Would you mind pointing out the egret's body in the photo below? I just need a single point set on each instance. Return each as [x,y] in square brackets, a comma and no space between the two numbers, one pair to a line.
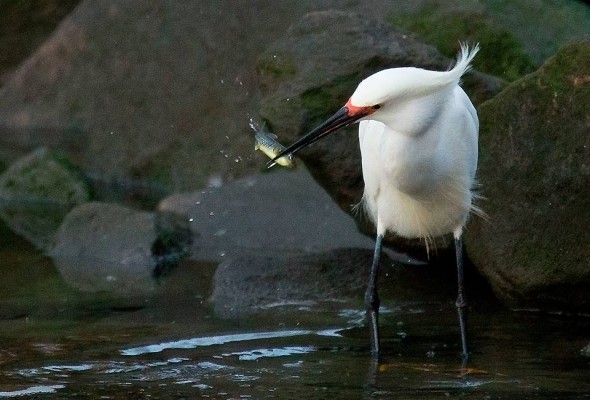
[418,184]
[418,139]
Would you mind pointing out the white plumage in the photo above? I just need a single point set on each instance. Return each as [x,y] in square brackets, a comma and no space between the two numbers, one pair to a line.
[419,150]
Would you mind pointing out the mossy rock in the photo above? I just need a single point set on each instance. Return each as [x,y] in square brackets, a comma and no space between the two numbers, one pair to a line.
[37,191]
[535,174]
[501,54]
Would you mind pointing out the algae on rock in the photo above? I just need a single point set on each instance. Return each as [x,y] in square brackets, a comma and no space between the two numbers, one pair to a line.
[37,191]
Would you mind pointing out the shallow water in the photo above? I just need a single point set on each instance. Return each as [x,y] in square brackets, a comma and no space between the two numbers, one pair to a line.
[59,343]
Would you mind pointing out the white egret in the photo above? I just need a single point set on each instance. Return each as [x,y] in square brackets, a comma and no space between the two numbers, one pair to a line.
[418,138]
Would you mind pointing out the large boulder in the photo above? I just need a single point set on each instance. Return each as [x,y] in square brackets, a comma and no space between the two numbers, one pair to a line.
[148,98]
[103,247]
[153,98]
[535,174]
[36,193]
[282,211]
[310,72]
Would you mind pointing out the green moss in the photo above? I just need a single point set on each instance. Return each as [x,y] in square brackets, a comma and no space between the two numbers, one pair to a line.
[534,149]
[501,54]
[48,176]
[276,67]
[321,102]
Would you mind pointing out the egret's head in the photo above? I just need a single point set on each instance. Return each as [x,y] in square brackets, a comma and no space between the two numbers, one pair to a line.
[407,100]
[371,100]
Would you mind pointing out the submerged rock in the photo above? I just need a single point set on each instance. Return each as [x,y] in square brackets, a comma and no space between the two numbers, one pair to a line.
[253,283]
[107,247]
[36,192]
[249,284]
[535,173]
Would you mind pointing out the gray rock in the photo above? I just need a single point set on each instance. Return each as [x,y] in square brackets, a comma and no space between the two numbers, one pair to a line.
[310,73]
[36,193]
[264,214]
[253,283]
[535,174]
[249,284]
[107,247]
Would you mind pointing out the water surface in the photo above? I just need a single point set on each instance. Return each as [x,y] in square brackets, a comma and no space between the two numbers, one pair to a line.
[57,343]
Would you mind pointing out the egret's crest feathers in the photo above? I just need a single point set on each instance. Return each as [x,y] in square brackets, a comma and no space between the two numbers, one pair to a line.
[410,82]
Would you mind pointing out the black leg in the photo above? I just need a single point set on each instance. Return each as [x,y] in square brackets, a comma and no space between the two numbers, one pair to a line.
[372,299]
[461,304]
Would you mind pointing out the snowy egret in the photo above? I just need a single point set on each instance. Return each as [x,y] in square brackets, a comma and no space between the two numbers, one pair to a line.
[418,137]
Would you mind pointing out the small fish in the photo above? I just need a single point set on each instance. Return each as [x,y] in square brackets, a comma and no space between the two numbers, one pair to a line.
[268,144]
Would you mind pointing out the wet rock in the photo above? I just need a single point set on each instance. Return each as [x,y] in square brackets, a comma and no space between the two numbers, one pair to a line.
[535,173]
[586,351]
[310,73]
[173,242]
[107,247]
[264,214]
[36,193]
[245,285]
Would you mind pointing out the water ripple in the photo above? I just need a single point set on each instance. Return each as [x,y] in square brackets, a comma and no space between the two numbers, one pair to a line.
[251,355]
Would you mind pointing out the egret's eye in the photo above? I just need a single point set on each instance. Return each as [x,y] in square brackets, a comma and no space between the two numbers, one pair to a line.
[376,106]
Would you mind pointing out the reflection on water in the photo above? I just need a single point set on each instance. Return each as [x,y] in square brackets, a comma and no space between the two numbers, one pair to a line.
[222,339]
[32,391]
[210,341]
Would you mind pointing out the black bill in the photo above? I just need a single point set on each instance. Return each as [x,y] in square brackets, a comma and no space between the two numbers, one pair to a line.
[339,120]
